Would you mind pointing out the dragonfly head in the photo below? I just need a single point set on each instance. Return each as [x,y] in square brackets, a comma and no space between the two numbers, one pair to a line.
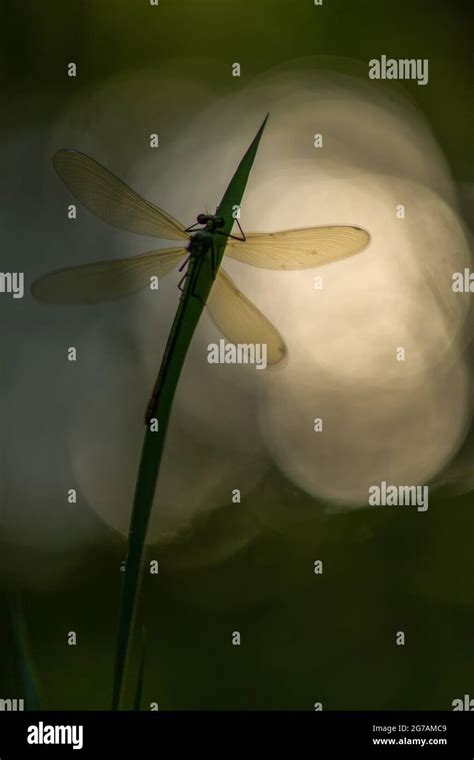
[212,221]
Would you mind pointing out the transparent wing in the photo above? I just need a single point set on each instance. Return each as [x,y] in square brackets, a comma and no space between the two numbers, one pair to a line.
[298,249]
[240,320]
[105,280]
[106,196]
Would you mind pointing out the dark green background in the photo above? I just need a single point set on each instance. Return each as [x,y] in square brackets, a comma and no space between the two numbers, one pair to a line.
[305,638]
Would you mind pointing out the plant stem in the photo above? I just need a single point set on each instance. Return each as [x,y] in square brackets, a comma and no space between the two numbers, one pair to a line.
[198,282]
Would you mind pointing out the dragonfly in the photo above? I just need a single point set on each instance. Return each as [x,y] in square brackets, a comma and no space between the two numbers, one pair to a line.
[238,319]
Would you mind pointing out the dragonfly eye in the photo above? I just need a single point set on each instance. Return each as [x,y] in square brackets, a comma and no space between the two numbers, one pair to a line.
[201,218]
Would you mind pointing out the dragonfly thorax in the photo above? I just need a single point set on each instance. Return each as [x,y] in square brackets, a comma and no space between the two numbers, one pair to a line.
[200,242]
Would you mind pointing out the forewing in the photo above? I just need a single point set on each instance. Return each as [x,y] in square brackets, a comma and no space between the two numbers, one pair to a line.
[106,196]
[305,248]
[239,319]
[105,280]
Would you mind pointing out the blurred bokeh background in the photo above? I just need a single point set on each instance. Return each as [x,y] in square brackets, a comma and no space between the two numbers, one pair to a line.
[244,567]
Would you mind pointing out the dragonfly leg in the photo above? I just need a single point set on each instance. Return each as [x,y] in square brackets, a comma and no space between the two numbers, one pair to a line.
[195,295]
[180,283]
[192,227]
[193,286]
[234,237]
